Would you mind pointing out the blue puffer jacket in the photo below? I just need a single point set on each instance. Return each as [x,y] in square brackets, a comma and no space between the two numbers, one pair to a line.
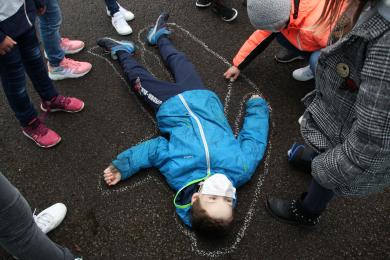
[17,16]
[201,143]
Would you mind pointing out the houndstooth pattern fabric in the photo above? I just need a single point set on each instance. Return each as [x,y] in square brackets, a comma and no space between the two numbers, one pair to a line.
[350,128]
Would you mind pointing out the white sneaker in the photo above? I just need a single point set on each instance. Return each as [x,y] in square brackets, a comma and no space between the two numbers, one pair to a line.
[120,24]
[50,218]
[303,74]
[126,13]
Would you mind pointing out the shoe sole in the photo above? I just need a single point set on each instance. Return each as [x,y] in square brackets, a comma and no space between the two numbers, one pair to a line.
[62,110]
[233,18]
[202,6]
[282,220]
[73,76]
[42,146]
[290,60]
[68,52]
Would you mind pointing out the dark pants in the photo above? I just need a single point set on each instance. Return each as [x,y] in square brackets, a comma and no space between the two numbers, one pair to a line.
[317,198]
[312,57]
[19,234]
[155,91]
[112,6]
[25,57]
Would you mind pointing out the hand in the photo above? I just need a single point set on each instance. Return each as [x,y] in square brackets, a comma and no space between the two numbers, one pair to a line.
[7,44]
[111,175]
[41,10]
[232,73]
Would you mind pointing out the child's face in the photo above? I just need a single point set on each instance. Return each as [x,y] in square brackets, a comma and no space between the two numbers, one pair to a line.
[218,207]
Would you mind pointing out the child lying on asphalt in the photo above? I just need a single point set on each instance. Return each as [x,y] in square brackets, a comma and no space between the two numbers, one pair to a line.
[201,158]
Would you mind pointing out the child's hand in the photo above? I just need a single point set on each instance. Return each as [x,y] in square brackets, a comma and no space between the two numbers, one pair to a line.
[6,45]
[232,73]
[111,175]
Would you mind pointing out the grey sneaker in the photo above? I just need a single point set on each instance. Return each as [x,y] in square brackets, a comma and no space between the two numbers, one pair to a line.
[286,56]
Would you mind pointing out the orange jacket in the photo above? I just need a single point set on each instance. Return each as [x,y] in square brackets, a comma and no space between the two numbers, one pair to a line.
[298,33]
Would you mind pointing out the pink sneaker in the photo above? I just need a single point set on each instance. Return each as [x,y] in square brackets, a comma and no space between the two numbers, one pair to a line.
[71,46]
[69,69]
[40,134]
[62,103]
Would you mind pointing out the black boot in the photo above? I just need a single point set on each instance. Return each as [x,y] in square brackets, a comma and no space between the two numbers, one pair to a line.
[291,212]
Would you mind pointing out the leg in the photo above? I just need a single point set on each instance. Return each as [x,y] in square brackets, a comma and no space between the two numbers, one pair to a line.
[19,234]
[34,65]
[313,60]
[317,198]
[290,52]
[14,84]
[154,91]
[112,6]
[179,65]
[50,24]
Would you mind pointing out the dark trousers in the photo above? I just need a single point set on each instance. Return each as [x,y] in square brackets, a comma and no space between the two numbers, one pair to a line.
[19,234]
[317,198]
[112,6]
[25,57]
[155,91]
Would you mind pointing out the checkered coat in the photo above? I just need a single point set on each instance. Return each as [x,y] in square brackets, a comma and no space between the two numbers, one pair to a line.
[347,116]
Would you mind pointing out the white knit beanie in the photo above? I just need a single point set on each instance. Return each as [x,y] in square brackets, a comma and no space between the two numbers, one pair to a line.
[269,15]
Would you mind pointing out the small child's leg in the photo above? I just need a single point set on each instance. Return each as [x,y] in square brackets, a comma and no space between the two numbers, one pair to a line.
[14,84]
[180,66]
[112,6]
[154,91]
[34,65]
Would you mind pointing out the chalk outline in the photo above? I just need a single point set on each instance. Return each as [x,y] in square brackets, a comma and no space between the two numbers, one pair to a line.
[251,209]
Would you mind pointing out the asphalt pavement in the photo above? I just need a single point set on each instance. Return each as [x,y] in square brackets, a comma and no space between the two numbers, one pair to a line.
[137,218]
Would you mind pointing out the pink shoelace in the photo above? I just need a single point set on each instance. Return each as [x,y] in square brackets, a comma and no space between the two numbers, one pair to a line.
[70,63]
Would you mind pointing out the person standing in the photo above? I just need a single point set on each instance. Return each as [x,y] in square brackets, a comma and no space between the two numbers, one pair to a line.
[347,118]
[20,53]
[119,17]
[59,66]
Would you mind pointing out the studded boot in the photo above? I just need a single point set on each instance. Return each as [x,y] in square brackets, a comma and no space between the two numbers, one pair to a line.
[292,212]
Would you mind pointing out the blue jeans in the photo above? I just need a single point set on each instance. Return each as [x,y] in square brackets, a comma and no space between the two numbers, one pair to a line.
[313,61]
[155,91]
[112,6]
[49,26]
[19,235]
[25,57]
[311,56]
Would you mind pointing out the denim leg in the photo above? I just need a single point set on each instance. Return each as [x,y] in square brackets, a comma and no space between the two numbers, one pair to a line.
[35,67]
[313,61]
[112,6]
[180,66]
[154,91]
[13,80]
[317,198]
[49,26]
[19,235]
[286,44]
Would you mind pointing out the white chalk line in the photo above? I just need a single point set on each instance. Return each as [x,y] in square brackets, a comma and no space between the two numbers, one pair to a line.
[251,210]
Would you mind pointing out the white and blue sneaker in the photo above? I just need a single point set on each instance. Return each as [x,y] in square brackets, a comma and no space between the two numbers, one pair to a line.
[113,46]
[159,29]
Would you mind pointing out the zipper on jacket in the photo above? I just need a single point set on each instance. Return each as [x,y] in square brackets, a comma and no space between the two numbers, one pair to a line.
[206,148]
[25,12]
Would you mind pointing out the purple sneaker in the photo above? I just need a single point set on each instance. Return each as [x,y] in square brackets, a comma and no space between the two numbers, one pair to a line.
[41,134]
